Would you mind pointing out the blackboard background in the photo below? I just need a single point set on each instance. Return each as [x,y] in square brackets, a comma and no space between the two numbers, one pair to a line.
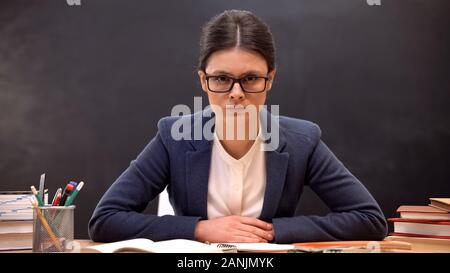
[82,88]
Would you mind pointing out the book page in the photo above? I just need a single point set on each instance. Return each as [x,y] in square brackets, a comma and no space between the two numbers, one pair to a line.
[146,245]
[139,245]
[260,247]
[184,246]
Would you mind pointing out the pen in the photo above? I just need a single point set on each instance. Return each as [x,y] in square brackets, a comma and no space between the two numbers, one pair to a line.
[39,200]
[74,194]
[58,192]
[56,199]
[69,188]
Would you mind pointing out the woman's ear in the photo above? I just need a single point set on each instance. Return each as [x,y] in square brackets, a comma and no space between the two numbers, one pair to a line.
[202,78]
[271,77]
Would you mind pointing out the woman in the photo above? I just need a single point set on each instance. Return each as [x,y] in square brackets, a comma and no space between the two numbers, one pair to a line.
[234,189]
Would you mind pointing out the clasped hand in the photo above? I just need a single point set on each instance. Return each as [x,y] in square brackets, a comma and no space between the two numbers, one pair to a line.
[234,229]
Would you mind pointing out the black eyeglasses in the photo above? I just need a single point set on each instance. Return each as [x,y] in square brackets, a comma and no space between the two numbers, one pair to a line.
[249,83]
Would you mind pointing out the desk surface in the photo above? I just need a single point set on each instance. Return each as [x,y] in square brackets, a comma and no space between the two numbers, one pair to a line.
[418,245]
[83,244]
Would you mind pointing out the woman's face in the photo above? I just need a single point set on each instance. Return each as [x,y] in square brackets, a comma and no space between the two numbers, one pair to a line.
[236,63]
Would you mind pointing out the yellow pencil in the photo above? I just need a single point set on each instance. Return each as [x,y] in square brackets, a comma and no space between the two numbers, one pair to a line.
[44,222]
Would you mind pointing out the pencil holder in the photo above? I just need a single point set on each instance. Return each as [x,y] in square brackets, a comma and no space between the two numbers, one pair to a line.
[53,229]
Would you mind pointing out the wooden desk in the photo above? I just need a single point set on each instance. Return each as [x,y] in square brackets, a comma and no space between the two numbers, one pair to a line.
[83,243]
[419,245]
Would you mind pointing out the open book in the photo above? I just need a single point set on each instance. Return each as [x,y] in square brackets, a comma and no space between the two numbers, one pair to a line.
[183,246]
[146,245]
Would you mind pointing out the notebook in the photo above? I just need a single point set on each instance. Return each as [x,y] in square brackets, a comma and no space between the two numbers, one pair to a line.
[259,247]
[15,205]
[146,245]
[382,245]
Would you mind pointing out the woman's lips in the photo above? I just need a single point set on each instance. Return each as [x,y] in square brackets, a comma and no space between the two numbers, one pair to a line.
[232,109]
[234,106]
[237,107]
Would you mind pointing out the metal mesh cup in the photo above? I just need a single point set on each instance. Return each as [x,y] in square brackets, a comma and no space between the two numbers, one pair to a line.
[53,229]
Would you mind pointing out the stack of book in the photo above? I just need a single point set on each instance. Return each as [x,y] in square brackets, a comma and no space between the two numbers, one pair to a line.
[427,226]
[16,220]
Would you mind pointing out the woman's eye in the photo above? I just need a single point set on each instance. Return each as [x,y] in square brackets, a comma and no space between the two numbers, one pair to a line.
[221,79]
[250,78]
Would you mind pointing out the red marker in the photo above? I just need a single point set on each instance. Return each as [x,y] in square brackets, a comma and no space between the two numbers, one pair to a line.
[67,191]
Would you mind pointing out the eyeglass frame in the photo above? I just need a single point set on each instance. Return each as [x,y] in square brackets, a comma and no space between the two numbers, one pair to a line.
[236,80]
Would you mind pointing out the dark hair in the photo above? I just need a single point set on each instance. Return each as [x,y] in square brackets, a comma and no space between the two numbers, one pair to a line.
[236,28]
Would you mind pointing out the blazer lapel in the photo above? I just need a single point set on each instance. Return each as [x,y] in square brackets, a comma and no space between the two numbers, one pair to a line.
[198,162]
[276,167]
[197,175]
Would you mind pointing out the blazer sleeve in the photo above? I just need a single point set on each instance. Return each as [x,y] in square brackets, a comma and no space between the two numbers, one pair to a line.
[355,215]
[118,215]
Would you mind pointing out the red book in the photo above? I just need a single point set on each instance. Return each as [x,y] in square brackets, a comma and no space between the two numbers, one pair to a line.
[421,227]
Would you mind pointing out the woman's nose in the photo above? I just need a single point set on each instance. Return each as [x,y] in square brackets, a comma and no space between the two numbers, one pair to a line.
[236,92]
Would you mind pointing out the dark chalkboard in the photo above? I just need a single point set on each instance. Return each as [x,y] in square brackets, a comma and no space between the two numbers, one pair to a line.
[82,88]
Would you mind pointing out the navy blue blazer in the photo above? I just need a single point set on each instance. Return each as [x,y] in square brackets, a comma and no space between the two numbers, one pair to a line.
[301,159]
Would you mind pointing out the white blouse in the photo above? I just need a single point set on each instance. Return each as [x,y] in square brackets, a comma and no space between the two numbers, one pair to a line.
[236,186]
